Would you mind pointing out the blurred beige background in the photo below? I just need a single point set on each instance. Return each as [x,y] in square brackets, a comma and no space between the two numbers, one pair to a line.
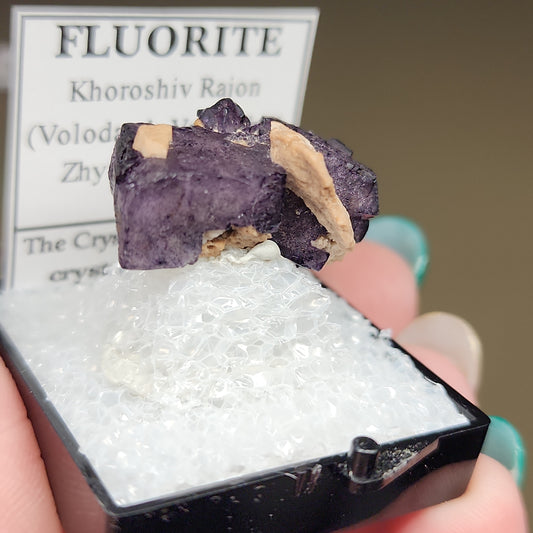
[437,98]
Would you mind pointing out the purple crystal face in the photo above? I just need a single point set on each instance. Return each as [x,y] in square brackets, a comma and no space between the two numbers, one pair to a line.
[225,117]
[295,244]
[355,184]
[164,206]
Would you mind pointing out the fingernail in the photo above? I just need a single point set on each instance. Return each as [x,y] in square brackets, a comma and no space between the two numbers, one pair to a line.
[405,238]
[451,336]
[504,443]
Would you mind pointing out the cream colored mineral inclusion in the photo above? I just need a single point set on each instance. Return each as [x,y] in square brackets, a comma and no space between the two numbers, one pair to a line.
[308,178]
[236,237]
[153,140]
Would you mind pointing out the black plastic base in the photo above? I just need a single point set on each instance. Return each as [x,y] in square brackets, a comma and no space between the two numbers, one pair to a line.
[367,482]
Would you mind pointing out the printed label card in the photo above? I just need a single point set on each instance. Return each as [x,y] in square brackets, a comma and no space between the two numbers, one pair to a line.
[79,73]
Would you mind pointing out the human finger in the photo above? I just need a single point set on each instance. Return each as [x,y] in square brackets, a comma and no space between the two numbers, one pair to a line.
[25,497]
[491,504]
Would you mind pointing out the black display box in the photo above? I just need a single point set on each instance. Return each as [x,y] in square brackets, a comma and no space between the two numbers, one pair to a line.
[367,482]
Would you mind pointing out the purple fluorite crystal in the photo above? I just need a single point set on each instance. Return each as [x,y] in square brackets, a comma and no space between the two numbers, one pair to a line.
[164,206]
[225,117]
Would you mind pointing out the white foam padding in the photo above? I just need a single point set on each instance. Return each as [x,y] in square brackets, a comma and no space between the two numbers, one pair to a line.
[172,379]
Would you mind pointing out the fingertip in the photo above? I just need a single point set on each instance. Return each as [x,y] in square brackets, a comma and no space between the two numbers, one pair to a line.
[405,237]
[505,444]
[377,282]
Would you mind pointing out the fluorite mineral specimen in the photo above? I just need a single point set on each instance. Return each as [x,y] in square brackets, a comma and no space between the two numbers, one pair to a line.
[164,207]
[184,192]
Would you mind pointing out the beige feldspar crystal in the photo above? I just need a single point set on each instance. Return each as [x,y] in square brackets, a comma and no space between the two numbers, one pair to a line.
[237,237]
[153,140]
[308,178]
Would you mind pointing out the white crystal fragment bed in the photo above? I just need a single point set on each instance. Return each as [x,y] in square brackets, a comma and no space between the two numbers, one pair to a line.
[175,379]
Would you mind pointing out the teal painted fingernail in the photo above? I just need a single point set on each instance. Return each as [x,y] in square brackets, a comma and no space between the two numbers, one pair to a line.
[504,443]
[405,238]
